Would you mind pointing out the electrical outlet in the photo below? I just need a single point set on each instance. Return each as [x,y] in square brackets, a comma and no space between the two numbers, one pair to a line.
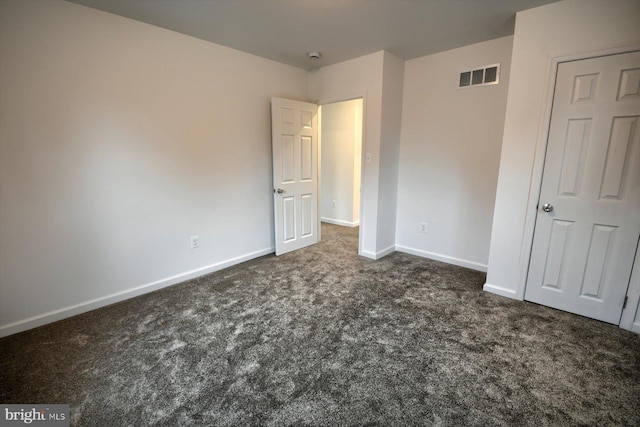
[195,242]
[424,227]
[333,203]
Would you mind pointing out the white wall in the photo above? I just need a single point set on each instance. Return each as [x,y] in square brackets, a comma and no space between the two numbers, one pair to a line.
[450,154]
[569,27]
[358,78]
[377,78]
[341,150]
[390,124]
[118,141]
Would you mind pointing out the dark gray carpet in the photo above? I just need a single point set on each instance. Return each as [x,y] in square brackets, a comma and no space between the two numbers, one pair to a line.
[324,337]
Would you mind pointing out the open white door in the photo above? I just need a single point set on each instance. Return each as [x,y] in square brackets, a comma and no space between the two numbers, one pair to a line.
[294,140]
[589,214]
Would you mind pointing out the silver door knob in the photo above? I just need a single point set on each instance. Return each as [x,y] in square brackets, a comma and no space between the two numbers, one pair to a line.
[547,207]
[278,190]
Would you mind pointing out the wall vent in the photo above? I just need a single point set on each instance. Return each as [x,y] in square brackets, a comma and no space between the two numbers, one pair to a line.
[481,76]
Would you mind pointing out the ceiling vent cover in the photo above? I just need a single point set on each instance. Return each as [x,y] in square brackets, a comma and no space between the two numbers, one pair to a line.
[481,76]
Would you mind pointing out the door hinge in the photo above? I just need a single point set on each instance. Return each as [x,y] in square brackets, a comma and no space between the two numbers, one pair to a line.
[624,304]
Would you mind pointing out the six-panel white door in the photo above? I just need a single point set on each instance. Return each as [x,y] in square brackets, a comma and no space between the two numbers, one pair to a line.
[294,140]
[585,242]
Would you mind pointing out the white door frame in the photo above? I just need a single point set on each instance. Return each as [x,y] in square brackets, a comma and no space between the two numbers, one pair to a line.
[629,314]
[324,101]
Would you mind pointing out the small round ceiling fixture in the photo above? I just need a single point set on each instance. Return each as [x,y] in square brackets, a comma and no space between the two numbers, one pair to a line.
[313,55]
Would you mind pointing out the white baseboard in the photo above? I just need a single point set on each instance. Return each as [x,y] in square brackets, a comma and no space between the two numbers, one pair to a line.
[386,251]
[340,222]
[368,254]
[377,255]
[499,290]
[444,258]
[63,313]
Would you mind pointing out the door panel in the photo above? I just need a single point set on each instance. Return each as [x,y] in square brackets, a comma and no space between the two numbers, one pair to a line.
[295,173]
[584,247]
[560,238]
[620,148]
[602,239]
[575,154]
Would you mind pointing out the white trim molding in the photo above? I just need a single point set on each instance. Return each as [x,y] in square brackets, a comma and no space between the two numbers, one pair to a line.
[379,254]
[498,290]
[443,258]
[630,319]
[386,251]
[63,313]
[340,222]
[367,254]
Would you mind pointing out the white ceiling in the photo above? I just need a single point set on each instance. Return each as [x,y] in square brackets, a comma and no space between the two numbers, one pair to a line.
[285,30]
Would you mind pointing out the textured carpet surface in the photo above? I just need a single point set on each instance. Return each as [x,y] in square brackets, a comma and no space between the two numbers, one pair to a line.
[324,337]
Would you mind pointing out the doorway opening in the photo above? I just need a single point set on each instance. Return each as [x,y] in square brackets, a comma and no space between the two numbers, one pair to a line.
[341,125]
